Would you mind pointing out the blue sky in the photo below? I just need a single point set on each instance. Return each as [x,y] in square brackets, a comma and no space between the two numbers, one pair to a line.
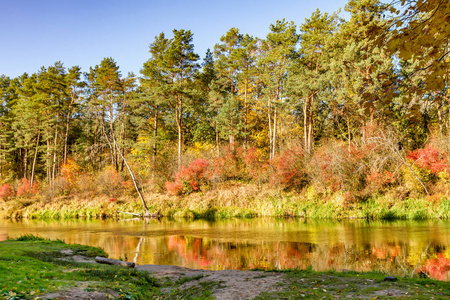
[37,33]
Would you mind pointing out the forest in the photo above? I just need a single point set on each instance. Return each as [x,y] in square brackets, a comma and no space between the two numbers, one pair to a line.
[358,107]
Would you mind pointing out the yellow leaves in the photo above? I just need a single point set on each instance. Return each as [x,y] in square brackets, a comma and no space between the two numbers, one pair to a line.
[199,147]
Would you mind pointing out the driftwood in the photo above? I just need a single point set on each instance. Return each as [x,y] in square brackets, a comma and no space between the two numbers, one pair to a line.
[129,213]
[148,215]
[108,261]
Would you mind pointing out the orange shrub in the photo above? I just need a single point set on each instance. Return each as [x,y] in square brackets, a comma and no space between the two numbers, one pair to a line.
[69,171]
[5,191]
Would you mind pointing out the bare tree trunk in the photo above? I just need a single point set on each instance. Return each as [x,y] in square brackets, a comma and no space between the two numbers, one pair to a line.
[47,159]
[25,163]
[310,125]
[132,175]
[55,144]
[180,130]
[35,158]
[66,137]
[439,113]
[274,139]
[155,142]
[305,124]
[245,114]
[269,113]
[217,135]
[349,132]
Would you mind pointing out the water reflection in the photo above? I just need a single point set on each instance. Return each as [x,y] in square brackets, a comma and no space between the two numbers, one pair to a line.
[395,247]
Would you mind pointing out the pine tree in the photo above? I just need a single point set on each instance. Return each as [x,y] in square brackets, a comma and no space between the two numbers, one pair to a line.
[308,74]
[277,53]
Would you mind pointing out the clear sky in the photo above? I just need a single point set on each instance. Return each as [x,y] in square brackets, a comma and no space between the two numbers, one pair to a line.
[37,33]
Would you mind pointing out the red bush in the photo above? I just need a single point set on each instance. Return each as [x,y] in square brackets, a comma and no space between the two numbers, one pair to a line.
[255,164]
[230,165]
[429,158]
[289,169]
[5,191]
[378,180]
[26,189]
[189,179]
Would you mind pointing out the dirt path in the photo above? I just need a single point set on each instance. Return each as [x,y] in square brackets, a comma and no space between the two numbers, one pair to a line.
[233,284]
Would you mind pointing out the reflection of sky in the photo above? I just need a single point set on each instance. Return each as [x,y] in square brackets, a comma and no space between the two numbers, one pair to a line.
[258,243]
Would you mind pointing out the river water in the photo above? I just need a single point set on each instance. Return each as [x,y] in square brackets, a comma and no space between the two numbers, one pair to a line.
[397,248]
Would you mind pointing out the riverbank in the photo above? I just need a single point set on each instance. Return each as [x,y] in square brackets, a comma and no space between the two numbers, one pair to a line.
[235,200]
[35,268]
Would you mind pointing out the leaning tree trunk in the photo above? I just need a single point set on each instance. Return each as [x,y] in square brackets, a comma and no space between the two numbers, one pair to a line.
[131,174]
[35,158]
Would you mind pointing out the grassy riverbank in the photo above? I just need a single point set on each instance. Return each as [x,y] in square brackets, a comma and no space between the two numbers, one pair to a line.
[35,268]
[236,200]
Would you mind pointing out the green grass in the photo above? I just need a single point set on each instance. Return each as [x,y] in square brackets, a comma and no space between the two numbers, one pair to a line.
[32,266]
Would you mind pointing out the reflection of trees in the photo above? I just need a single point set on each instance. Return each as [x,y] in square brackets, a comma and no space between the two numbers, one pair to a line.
[258,243]
[203,253]
[437,268]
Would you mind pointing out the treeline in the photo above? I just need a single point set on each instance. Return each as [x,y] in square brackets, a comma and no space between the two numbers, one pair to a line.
[338,103]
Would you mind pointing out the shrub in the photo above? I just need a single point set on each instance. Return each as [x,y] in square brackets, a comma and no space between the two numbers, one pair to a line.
[108,183]
[5,191]
[336,167]
[379,181]
[189,179]
[230,165]
[429,158]
[70,171]
[430,166]
[288,169]
[26,189]
[256,165]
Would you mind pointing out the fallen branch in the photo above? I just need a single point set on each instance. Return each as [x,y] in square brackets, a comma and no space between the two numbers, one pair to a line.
[129,213]
[108,261]
[149,215]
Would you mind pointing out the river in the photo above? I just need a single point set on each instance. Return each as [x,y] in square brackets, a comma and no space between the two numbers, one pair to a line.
[397,248]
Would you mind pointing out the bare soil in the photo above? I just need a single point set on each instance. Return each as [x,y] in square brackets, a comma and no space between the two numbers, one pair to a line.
[234,284]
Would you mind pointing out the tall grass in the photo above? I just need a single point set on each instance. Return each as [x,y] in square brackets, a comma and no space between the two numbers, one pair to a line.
[233,201]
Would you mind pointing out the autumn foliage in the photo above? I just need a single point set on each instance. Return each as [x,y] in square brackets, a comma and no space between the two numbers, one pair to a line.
[189,179]
[26,189]
[229,165]
[288,169]
[430,158]
[69,171]
[437,268]
[5,191]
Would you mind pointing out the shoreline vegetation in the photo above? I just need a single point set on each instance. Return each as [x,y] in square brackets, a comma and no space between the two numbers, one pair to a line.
[36,268]
[235,200]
